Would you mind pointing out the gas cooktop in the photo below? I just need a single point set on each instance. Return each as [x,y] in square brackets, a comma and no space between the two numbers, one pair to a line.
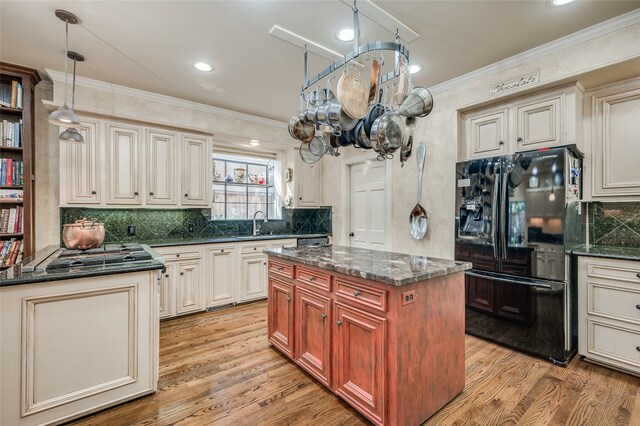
[109,254]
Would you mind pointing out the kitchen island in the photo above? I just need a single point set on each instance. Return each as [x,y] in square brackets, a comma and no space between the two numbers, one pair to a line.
[384,331]
[78,339]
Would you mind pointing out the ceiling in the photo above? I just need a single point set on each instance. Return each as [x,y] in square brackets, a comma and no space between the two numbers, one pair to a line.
[151,45]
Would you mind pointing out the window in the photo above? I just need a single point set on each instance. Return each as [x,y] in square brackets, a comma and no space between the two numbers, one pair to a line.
[243,186]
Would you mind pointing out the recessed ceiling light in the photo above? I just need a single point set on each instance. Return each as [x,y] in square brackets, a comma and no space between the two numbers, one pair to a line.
[345,34]
[415,68]
[560,2]
[254,142]
[202,66]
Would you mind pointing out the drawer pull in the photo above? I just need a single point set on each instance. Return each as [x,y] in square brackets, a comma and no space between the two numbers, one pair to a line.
[339,323]
[312,278]
[324,316]
[356,293]
[279,268]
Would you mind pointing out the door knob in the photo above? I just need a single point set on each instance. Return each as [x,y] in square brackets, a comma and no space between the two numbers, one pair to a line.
[351,234]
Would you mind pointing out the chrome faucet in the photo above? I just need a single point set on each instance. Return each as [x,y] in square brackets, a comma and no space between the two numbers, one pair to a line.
[256,229]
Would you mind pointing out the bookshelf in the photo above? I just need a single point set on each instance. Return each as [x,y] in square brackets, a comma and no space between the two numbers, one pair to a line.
[17,85]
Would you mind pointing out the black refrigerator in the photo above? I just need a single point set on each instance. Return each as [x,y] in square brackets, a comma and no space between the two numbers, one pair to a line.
[517,217]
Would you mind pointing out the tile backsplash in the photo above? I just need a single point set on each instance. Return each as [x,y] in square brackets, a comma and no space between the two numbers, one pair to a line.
[159,224]
[615,224]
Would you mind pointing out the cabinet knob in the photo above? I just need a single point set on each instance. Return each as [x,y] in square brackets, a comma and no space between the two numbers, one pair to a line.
[255,248]
[265,263]
[186,195]
[638,348]
[312,278]
[638,275]
[93,192]
[339,323]
[166,275]
[351,234]
[637,306]
[178,255]
[324,316]
[356,293]
[151,193]
[135,193]
[181,273]
[300,198]
[288,298]
[221,250]
[501,143]
[519,139]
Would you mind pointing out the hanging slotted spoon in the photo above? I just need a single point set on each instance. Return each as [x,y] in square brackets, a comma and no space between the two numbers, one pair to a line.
[418,218]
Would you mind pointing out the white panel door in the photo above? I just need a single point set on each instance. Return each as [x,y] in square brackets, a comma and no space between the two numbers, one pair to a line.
[486,132]
[253,284]
[196,170]
[123,164]
[221,275]
[167,292]
[188,287]
[80,167]
[540,124]
[162,162]
[307,184]
[367,205]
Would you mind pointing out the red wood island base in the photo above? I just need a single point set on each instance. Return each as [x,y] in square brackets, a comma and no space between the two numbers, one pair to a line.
[393,352]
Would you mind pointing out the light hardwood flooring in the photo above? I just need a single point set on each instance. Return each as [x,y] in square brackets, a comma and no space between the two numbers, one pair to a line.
[217,368]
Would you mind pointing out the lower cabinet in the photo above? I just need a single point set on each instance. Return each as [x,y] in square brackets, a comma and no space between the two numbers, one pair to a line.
[189,287]
[356,337]
[221,265]
[253,284]
[167,292]
[609,312]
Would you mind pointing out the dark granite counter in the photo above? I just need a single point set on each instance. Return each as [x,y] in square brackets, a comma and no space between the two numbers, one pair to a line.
[234,239]
[385,267]
[15,275]
[623,253]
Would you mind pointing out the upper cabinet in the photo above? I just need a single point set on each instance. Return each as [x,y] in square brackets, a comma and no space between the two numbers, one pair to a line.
[546,119]
[612,141]
[125,165]
[302,181]
[196,164]
[123,171]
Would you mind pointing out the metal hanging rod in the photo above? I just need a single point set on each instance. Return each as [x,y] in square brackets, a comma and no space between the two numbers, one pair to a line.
[365,48]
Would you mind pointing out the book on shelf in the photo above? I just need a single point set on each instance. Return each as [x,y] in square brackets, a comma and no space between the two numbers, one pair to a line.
[16,95]
[11,220]
[11,194]
[11,172]
[11,252]
[5,104]
[11,133]
[19,96]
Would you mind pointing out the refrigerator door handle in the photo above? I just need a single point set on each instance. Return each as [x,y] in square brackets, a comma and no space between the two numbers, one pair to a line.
[514,280]
[504,214]
[494,214]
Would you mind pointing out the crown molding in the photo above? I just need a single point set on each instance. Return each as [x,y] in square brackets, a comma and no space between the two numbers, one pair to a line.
[90,83]
[595,31]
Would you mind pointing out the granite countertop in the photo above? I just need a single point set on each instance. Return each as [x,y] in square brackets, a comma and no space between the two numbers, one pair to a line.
[15,275]
[384,267]
[623,253]
[234,239]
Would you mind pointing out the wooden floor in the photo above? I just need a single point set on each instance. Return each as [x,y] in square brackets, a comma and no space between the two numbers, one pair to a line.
[218,368]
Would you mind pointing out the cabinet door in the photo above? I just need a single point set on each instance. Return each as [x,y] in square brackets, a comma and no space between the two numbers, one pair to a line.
[513,301]
[360,348]
[221,275]
[254,277]
[280,315]
[162,180]
[307,184]
[540,123]
[313,333]
[80,167]
[196,170]
[167,290]
[541,264]
[188,287]
[486,132]
[479,293]
[616,147]
[123,164]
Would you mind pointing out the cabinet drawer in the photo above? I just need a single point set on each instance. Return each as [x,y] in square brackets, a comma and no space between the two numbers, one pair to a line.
[281,269]
[313,278]
[284,243]
[171,255]
[362,295]
[614,270]
[620,346]
[258,248]
[613,302]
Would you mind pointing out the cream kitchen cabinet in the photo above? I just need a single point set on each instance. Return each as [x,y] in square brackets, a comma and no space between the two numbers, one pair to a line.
[303,188]
[612,142]
[167,292]
[189,286]
[182,285]
[609,312]
[221,263]
[546,119]
[253,284]
[123,174]
[124,165]
[161,152]
[196,170]
[550,262]
[81,167]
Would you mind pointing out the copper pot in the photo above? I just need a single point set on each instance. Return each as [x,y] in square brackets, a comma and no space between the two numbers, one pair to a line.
[83,234]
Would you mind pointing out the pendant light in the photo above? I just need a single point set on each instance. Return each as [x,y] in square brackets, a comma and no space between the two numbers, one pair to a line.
[71,134]
[64,116]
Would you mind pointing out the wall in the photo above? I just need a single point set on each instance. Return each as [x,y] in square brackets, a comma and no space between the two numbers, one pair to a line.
[172,224]
[106,100]
[440,133]
[614,224]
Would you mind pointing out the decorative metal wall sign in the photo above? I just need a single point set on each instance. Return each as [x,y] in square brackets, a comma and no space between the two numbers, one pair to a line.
[515,83]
